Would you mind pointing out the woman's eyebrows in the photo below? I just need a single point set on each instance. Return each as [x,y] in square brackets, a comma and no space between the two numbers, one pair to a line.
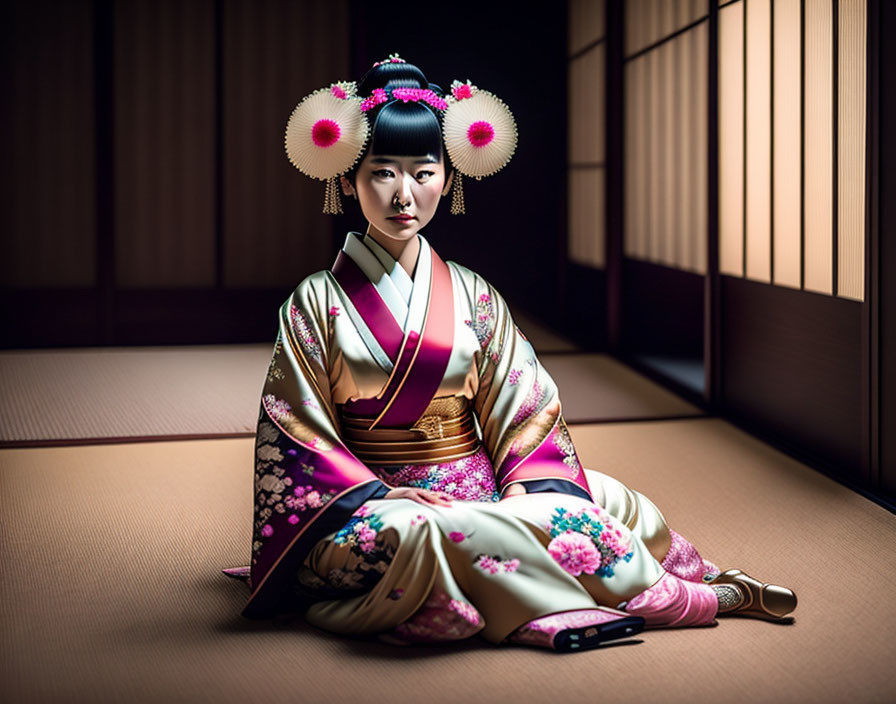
[428,159]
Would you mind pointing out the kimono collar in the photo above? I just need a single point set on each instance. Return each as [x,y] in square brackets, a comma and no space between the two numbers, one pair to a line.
[384,320]
[405,298]
[381,268]
[396,271]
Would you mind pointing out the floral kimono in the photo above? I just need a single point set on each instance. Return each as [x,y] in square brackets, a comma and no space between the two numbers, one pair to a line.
[381,380]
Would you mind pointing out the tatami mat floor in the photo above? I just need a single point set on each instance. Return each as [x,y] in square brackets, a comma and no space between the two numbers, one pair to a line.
[111,591]
[97,394]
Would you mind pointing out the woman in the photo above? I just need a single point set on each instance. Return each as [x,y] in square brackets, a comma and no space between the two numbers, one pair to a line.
[414,475]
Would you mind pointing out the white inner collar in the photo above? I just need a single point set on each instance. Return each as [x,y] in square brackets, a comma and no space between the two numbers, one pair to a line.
[406,298]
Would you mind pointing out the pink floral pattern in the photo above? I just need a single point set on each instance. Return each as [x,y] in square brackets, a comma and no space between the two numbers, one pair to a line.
[541,631]
[360,532]
[493,564]
[575,553]
[684,561]
[305,334]
[441,618]
[276,494]
[482,324]
[563,442]
[467,612]
[277,408]
[587,542]
[531,404]
[470,478]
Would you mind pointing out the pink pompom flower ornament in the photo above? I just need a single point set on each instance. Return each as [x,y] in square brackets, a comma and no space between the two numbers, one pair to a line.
[325,133]
[480,133]
[461,91]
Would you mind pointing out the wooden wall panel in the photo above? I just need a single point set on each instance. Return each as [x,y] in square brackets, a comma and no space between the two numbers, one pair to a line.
[851,90]
[699,38]
[819,141]
[586,23]
[274,54]
[792,367]
[787,157]
[666,152]
[648,21]
[655,166]
[587,238]
[48,199]
[758,147]
[164,144]
[731,138]
[685,143]
[668,234]
[635,121]
[586,107]
[634,23]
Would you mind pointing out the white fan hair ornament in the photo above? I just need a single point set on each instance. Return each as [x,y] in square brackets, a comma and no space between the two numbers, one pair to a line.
[328,131]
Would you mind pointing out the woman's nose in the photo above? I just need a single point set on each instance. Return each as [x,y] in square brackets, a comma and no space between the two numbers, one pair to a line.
[404,189]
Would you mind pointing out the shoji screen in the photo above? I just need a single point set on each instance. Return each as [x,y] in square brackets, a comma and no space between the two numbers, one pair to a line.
[586,250]
[587,168]
[792,143]
[665,87]
[794,359]
[665,133]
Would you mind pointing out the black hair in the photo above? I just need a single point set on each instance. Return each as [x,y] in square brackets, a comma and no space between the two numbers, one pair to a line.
[396,127]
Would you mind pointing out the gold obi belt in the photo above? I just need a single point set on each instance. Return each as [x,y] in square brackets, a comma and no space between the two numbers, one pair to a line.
[445,432]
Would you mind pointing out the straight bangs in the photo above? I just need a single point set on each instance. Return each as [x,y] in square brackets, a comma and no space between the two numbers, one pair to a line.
[406,129]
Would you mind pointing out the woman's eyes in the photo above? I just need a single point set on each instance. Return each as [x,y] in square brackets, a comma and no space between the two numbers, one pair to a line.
[388,173]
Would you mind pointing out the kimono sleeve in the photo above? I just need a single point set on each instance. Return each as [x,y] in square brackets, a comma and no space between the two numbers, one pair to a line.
[307,484]
[518,405]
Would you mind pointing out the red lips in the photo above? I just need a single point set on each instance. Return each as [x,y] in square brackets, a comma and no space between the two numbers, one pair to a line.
[402,218]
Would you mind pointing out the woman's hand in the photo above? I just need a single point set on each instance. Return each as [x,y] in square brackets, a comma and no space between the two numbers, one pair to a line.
[421,496]
[514,490]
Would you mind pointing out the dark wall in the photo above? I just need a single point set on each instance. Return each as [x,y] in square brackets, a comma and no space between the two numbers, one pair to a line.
[146,196]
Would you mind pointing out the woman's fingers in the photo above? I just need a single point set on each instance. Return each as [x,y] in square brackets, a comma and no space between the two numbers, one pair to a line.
[435,497]
[421,496]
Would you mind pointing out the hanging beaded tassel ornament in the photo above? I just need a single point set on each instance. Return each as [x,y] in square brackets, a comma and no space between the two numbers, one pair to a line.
[332,201]
[457,195]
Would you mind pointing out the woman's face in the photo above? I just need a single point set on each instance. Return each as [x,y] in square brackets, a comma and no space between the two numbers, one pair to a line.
[384,183]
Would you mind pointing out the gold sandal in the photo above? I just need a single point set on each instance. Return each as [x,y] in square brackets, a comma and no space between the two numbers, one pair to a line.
[762,600]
